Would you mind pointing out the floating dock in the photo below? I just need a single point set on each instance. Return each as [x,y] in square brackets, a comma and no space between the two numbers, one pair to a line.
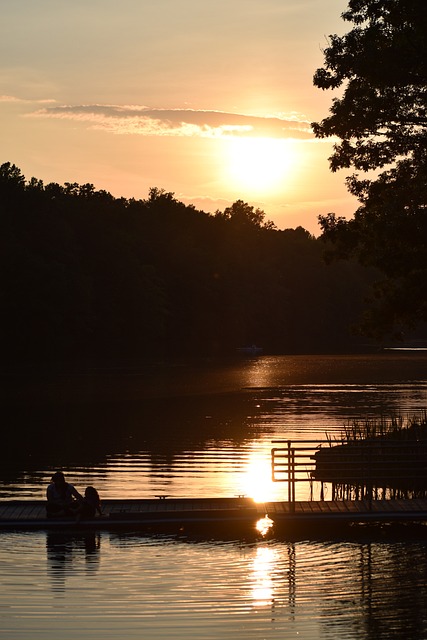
[133,513]
[180,512]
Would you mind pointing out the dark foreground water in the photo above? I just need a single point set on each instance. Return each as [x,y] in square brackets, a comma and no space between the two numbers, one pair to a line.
[202,429]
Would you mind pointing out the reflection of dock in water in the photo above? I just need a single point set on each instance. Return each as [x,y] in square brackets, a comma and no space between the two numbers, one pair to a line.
[309,516]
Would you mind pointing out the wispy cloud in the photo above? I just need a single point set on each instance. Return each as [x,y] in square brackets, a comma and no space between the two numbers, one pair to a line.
[15,99]
[145,121]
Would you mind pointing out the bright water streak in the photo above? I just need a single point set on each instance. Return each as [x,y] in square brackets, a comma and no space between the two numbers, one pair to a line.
[219,444]
[132,586]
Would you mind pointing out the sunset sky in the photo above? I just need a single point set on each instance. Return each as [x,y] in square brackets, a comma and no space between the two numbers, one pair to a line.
[210,100]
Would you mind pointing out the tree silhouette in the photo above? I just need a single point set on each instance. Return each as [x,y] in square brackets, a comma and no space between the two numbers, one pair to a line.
[84,275]
[242,214]
[381,120]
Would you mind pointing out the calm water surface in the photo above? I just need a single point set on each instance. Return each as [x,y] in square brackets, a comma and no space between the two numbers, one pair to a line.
[190,430]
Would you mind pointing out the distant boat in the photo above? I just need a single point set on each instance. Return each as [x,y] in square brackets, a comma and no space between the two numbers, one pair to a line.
[252,350]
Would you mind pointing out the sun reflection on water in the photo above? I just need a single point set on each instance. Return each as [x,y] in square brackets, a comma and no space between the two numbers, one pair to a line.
[262,576]
[264,525]
[256,481]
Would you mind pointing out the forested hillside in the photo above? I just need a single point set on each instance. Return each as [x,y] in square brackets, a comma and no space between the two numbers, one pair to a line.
[87,275]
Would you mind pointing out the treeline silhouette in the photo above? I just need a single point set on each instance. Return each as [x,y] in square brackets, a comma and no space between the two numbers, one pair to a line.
[87,275]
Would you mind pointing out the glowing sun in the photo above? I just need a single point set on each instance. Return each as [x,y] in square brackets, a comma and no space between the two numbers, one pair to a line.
[258,164]
[256,481]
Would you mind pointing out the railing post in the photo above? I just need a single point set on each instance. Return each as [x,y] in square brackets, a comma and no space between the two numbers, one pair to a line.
[293,481]
[370,479]
[291,476]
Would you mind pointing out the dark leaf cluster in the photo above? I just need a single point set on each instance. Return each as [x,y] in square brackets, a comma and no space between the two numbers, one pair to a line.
[380,118]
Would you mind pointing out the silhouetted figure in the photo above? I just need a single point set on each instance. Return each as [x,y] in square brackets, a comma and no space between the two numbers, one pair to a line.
[90,505]
[62,497]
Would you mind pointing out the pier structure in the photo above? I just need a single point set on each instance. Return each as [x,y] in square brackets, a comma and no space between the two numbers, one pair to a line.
[379,484]
[369,469]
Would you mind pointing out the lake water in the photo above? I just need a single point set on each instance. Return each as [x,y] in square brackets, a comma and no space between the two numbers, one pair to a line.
[201,429]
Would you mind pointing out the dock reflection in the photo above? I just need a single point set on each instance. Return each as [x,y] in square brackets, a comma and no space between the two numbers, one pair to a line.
[376,588]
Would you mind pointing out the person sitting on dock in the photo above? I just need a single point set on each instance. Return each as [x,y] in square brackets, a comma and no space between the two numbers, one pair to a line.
[90,505]
[63,499]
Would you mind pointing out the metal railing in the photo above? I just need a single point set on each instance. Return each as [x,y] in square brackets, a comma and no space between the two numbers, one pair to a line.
[370,469]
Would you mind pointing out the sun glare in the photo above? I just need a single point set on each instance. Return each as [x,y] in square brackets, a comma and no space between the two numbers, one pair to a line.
[257,482]
[258,165]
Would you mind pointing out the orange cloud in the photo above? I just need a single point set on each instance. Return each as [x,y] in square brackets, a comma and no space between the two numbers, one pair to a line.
[141,120]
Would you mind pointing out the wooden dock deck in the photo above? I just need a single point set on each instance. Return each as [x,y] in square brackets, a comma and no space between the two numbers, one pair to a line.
[135,513]
[348,511]
[31,514]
